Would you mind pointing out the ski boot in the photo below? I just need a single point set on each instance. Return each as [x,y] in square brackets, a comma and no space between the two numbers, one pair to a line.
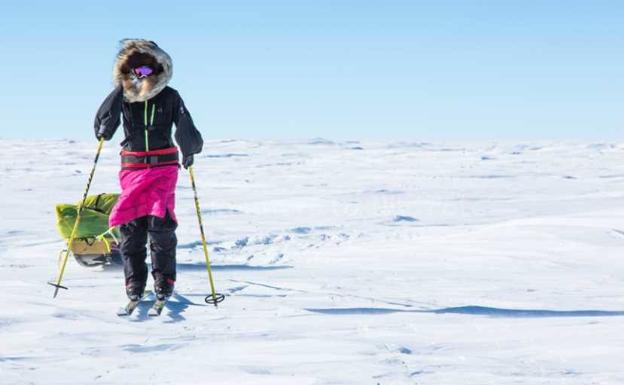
[134,290]
[163,287]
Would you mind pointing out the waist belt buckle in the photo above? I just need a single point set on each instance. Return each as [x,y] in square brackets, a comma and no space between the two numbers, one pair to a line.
[152,159]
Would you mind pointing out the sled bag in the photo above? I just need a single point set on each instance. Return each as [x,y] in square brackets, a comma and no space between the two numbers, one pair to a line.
[93,218]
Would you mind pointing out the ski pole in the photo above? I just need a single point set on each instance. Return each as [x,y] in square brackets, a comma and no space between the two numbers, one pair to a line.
[215,298]
[59,278]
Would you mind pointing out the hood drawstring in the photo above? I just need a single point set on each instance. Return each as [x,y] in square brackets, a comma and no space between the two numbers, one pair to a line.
[145,122]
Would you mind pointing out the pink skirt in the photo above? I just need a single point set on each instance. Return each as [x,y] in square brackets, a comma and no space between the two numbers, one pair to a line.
[149,191]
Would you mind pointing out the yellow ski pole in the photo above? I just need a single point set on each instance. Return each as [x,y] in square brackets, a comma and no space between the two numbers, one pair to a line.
[215,298]
[59,277]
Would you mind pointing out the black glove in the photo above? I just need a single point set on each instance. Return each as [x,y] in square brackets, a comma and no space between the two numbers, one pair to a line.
[103,134]
[187,161]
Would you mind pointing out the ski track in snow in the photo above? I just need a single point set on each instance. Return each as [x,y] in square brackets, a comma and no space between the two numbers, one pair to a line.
[342,263]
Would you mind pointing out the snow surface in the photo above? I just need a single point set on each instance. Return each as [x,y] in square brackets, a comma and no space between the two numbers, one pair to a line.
[343,263]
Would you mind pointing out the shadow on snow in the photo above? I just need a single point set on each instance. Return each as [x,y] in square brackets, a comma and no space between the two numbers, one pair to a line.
[176,305]
[473,310]
[238,267]
[202,267]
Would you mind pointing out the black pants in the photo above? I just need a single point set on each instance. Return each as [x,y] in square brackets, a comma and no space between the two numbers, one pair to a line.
[162,241]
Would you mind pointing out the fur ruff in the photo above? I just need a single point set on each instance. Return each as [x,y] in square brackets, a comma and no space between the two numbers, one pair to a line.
[134,53]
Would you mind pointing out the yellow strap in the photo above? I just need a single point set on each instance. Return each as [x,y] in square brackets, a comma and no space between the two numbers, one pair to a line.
[108,248]
[102,237]
[108,232]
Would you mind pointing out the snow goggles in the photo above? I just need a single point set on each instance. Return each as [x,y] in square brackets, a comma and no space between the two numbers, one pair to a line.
[143,71]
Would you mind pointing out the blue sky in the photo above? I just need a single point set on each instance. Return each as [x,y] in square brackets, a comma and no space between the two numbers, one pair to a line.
[405,70]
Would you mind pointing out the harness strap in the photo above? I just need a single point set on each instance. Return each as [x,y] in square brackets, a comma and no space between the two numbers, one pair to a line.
[133,160]
[142,166]
[162,151]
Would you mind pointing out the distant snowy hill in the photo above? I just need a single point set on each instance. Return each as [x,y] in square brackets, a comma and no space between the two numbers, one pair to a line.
[342,262]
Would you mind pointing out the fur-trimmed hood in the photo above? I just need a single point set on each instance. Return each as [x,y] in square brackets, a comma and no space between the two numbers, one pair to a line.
[135,53]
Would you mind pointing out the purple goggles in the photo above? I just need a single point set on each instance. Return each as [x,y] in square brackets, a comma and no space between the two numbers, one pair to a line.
[143,71]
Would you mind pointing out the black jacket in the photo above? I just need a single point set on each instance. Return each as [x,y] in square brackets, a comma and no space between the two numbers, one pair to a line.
[165,109]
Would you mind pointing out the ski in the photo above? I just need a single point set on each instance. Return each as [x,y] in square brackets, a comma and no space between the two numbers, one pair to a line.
[158,307]
[131,305]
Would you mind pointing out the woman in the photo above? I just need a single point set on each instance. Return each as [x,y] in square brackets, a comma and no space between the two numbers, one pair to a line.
[149,161]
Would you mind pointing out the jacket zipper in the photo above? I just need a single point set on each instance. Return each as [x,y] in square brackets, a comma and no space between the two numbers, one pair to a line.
[145,123]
